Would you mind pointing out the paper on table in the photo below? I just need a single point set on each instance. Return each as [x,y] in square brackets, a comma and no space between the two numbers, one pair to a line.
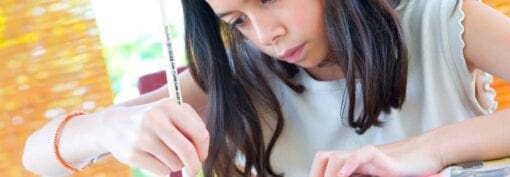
[494,168]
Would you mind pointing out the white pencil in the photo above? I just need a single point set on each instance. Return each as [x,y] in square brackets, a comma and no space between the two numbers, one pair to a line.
[174,90]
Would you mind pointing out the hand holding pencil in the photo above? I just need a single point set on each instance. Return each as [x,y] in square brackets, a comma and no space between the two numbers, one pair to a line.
[174,91]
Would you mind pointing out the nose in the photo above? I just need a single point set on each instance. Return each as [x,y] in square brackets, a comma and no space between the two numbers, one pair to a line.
[268,29]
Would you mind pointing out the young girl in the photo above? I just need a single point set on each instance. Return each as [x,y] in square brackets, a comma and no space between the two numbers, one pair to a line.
[310,88]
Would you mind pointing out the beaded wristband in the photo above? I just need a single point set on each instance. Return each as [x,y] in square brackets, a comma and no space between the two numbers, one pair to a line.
[56,139]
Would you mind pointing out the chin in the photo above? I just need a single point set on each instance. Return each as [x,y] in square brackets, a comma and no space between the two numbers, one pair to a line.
[308,64]
[305,65]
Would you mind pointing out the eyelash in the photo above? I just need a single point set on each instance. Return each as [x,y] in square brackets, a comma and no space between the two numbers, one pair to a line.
[267,1]
[239,21]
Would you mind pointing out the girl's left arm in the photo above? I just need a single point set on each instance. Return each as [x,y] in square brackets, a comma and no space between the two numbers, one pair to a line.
[481,138]
[487,38]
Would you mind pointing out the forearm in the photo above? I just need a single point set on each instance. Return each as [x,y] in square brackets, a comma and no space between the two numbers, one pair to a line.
[150,97]
[191,94]
[77,145]
[78,141]
[481,138]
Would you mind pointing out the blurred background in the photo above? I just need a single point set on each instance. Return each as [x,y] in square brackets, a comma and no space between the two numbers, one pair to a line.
[57,56]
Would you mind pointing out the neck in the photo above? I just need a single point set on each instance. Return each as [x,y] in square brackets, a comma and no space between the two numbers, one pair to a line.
[326,72]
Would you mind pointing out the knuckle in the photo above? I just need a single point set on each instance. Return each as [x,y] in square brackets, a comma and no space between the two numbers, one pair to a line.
[338,153]
[148,115]
[357,156]
[168,103]
[204,136]
[151,118]
[143,140]
[337,156]
[187,106]
[187,152]
[322,155]
[133,156]
[203,127]
[188,156]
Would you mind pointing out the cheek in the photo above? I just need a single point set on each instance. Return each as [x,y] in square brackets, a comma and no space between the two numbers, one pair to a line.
[310,13]
[267,50]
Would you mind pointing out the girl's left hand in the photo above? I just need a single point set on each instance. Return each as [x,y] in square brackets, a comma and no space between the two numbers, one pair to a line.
[406,158]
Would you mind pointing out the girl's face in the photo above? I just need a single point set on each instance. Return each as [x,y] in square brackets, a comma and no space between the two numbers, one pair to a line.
[290,30]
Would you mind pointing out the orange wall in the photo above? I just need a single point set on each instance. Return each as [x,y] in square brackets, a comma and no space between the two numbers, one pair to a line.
[50,63]
[502,87]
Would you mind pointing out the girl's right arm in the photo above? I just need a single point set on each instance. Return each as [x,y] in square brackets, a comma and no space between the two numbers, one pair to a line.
[150,132]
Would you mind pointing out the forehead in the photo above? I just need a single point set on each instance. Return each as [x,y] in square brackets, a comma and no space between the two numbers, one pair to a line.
[226,5]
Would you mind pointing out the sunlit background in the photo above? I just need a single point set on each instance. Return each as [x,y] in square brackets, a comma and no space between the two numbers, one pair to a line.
[131,41]
[58,56]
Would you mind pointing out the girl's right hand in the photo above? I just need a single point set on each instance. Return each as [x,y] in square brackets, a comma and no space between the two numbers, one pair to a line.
[160,137]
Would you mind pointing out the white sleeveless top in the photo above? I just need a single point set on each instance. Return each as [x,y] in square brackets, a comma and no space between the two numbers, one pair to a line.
[441,90]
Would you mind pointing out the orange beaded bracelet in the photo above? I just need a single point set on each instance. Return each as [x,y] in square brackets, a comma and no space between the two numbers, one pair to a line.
[56,139]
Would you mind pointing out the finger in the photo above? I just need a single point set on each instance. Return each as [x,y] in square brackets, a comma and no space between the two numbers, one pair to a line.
[163,153]
[150,163]
[336,160]
[203,146]
[180,145]
[367,169]
[194,113]
[380,164]
[319,164]
[369,155]
[191,126]
[352,163]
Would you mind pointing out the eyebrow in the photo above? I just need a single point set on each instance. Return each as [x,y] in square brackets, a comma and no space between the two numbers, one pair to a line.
[221,15]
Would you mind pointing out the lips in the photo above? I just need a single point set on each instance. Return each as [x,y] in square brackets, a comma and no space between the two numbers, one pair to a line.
[292,54]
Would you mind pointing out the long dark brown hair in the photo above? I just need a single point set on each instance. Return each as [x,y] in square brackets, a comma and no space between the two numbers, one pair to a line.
[366,40]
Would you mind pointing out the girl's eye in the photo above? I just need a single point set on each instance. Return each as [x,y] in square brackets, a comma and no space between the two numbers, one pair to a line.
[239,22]
[267,1]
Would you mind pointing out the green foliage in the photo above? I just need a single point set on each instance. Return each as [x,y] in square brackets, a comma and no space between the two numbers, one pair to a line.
[120,58]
